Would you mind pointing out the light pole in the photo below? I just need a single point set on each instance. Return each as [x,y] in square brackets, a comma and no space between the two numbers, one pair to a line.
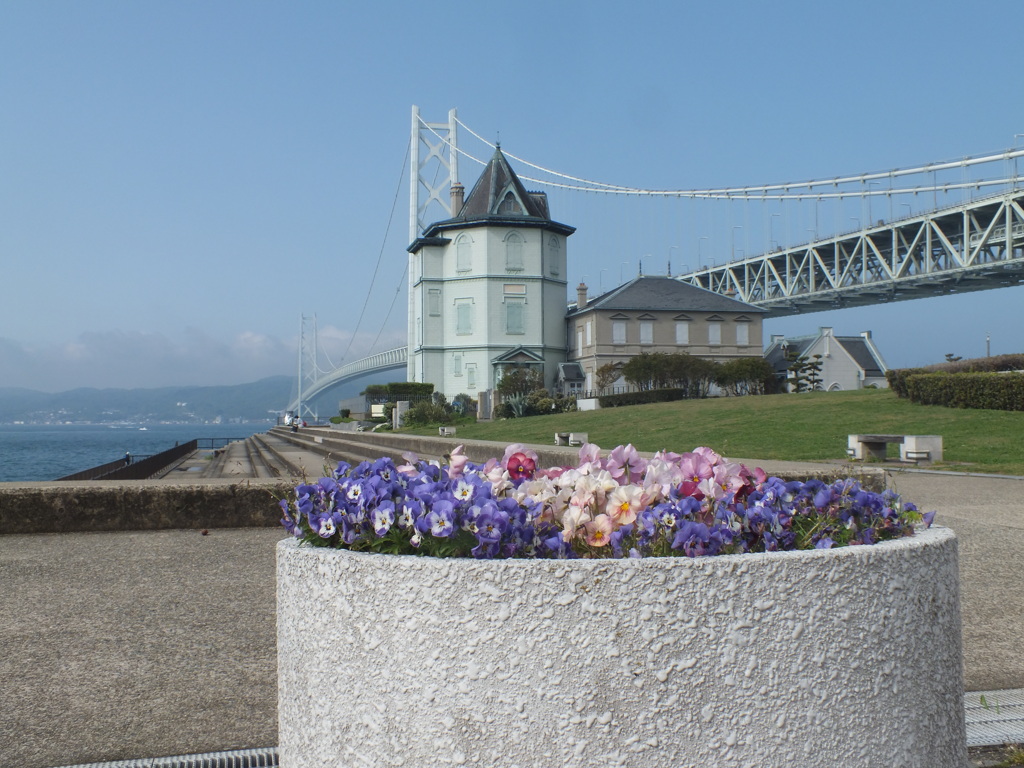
[856,221]
[771,228]
[669,272]
[910,211]
[600,280]
[871,218]
[1015,137]
[733,255]
[702,237]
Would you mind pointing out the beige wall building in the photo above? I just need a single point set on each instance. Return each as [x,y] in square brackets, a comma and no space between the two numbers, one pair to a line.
[656,314]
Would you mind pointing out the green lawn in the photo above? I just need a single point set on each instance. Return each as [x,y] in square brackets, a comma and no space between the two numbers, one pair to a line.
[809,426]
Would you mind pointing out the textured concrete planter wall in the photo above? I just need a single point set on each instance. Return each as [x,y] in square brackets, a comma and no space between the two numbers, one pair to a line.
[846,657]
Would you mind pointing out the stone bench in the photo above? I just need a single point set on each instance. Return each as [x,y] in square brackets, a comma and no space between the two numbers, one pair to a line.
[913,448]
[446,431]
[571,438]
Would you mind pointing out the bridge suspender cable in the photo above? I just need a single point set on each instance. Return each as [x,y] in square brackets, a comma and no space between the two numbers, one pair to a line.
[380,257]
[781,191]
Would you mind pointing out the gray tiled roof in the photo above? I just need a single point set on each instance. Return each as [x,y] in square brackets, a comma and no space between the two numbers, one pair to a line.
[856,346]
[483,205]
[665,293]
[862,354]
[485,197]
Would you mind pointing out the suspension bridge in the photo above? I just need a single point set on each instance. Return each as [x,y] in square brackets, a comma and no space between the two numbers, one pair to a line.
[968,237]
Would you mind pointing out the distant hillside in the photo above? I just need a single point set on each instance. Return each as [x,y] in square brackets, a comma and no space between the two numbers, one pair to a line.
[247,402]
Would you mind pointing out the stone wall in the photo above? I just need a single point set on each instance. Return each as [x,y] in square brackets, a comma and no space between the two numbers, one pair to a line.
[138,506]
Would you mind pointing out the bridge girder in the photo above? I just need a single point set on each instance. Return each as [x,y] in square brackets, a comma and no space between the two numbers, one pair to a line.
[970,247]
[392,359]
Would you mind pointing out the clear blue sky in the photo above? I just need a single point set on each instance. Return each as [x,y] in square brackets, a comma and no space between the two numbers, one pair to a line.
[181,181]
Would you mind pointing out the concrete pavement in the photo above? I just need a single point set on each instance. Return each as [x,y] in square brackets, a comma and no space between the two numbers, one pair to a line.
[167,638]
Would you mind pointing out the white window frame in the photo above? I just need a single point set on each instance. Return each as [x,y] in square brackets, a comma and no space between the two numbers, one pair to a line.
[714,334]
[682,332]
[619,332]
[742,334]
[463,317]
[512,306]
[646,331]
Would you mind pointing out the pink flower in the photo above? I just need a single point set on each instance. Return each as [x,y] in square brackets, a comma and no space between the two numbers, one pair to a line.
[707,453]
[458,463]
[695,467]
[590,456]
[572,518]
[626,465]
[598,531]
[624,503]
[409,468]
[520,466]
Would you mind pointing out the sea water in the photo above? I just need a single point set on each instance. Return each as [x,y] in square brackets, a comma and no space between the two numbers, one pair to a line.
[46,452]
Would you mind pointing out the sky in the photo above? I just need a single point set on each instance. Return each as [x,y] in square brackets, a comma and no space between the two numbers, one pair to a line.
[181,182]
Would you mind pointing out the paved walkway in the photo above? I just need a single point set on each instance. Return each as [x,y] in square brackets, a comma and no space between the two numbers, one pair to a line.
[167,638]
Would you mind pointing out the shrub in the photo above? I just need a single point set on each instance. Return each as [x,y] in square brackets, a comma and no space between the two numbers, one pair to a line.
[426,412]
[640,398]
[993,391]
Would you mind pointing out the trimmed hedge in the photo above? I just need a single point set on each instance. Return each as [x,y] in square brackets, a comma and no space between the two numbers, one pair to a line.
[993,391]
[640,398]
[897,378]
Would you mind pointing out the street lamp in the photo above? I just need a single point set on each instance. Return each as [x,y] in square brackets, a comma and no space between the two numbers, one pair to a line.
[856,221]
[600,280]
[1015,137]
[871,184]
[669,272]
[703,237]
[733,256]
[771,227]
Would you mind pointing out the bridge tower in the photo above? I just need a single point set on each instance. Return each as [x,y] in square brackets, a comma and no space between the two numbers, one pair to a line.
[429,190]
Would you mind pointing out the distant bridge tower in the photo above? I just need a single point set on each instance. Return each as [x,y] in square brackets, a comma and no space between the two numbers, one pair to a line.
[429,189]
[309,367]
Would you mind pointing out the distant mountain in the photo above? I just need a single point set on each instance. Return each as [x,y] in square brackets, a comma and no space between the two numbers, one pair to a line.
[248,402]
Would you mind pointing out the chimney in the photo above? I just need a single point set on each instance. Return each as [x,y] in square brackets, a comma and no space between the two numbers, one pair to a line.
[458,193]
[866,335]
[581,296]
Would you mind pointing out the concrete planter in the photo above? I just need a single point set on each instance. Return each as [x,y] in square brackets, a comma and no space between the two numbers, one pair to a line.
[845,657]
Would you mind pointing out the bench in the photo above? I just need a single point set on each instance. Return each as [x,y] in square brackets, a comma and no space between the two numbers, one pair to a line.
[446,431]
[912,447]
[571,438]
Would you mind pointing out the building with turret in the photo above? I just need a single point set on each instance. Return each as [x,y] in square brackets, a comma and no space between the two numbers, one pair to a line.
[488,287]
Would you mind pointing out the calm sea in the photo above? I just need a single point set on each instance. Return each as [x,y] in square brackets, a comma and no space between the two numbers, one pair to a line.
[29,452]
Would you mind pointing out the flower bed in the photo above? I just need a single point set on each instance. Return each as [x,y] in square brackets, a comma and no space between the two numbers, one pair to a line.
[620,505]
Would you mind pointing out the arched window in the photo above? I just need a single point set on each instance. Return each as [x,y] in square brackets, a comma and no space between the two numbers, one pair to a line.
[554,256]
[514,252]
[509,204]
[463,254]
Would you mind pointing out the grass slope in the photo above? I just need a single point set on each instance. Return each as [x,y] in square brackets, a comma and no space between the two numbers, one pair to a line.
[809,426]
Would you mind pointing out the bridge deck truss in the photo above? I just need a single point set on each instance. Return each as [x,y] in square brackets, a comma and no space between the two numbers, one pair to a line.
[973,246]
[392,359]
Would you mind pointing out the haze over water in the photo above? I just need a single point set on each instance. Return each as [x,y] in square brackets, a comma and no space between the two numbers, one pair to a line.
[46,452]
